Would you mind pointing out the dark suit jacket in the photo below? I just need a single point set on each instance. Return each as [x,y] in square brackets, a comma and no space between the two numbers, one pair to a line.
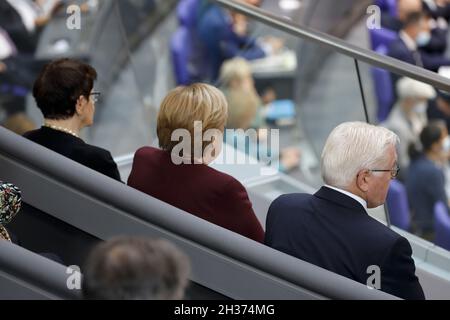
[197,189]
[76,149]
[333,231]
[400,51]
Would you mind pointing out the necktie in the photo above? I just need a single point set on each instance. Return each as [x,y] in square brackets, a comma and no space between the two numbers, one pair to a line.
[417,58]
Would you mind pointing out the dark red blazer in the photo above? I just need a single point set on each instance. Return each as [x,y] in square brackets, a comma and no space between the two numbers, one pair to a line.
[196,188]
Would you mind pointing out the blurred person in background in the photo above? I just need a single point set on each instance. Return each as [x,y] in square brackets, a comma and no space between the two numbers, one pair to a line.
[439,9]
[439,108]
[19,123]
[24,19]
[438,32]
[425,183]
[404,8]
[245,111]
[408,117]
[415,34]
[135,268]
[224,35]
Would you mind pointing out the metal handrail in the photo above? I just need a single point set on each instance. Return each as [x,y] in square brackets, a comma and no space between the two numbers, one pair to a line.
[339,45]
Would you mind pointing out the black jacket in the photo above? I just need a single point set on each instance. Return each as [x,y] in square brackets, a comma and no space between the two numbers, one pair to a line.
[333,231]
[76,149]
[400,51]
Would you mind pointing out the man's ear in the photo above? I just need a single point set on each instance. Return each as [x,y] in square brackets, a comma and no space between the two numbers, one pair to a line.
[362,180]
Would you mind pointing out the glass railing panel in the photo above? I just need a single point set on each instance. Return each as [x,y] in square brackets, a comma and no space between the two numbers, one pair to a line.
[323,87]
[126,43]
[420,115]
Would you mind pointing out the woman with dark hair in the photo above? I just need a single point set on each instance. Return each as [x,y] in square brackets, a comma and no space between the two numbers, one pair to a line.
[64,93]
[425,183]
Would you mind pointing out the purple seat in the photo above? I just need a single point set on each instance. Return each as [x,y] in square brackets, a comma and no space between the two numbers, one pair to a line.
[187,13]
[186,49]
[397,202]
[14,90]
[389,6]
[384,90]
[180,48]
[441,226]
[381,37]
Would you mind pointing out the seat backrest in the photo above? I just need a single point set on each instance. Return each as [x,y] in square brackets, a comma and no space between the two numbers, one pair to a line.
[389,6]
[27,275]
[397,202]
[180,48]
[384,89]
[187,13]
[381,37]
[441,226]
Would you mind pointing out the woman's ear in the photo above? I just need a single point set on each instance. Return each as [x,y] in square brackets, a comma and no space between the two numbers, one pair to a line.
[79,107]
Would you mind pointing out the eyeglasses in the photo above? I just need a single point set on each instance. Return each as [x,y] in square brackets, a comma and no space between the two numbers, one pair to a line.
[394,171]
[95,95]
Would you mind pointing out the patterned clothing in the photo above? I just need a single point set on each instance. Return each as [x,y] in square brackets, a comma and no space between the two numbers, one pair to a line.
[10,204]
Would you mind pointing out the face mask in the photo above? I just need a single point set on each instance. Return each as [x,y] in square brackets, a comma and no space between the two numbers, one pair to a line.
[420,107]
[446,144]
[423,38]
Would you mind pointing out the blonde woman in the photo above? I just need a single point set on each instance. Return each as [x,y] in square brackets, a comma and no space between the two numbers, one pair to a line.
[184,179]
[245,111]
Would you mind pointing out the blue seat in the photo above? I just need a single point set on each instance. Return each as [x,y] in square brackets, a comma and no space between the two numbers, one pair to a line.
[381,37]
[397,202]
[389,6]
[441,226]
[180,48]
[186,50]
[187,13]
[384,89]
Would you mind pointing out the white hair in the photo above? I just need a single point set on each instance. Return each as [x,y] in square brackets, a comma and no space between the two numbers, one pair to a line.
[351,147]
[410,88]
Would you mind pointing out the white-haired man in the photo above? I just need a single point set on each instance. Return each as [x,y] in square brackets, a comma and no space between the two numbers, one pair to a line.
[332,229]
[409,115]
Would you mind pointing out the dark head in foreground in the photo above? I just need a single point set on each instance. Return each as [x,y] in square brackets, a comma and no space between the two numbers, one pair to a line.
[135,268]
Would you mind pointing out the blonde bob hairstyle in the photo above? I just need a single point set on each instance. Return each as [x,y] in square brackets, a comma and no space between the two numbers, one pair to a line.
[185,105]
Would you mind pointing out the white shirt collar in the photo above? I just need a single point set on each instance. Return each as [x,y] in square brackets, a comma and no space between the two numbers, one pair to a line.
[7,47]
[351,195]
[409,42]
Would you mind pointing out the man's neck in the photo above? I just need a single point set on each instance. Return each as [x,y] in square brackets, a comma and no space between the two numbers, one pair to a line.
[351,192]
[408,39]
